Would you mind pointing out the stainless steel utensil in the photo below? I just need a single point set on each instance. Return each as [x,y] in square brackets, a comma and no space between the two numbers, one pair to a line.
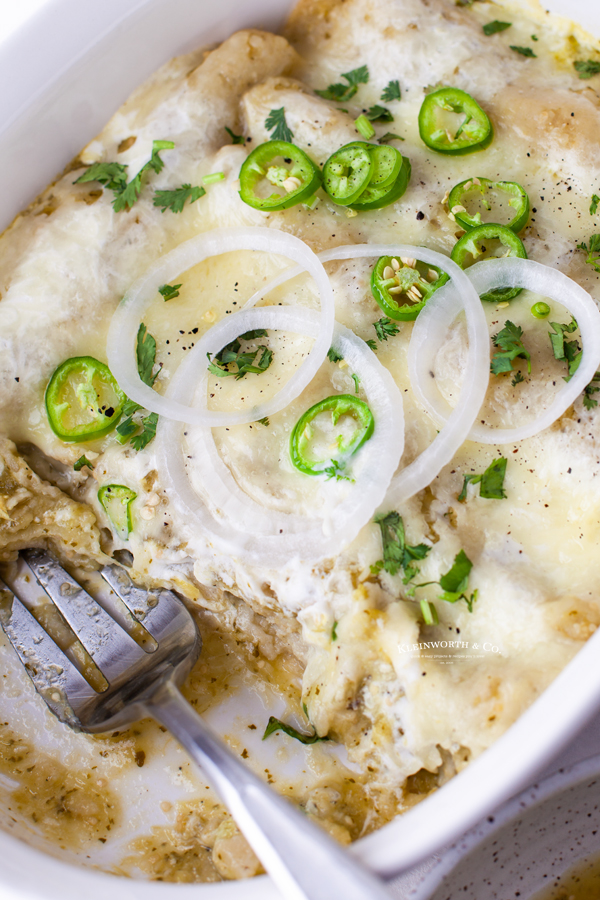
[133,678]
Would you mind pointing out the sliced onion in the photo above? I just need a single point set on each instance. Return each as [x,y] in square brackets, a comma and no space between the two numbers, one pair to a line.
[244,528]
[126,320]
[499,273]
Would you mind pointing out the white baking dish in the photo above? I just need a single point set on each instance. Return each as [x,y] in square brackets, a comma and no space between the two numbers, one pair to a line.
[64,73]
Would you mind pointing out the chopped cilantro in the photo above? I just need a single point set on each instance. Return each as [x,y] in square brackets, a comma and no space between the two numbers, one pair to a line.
[491,481]
[391,92]
[517,378]
[169,291]
[511,348]
[235,138]
[342,92]
[245,361]
[356,381]
[524,51]
[385,328]
[129,428]
[130,193]
[175,199]
[593,251]
[149,423]
[389,136]
[126,429]
[84,461]
[534,37]
[276,124]
[274,725]
[563,349]
[335,471]
[213,178]
[587,67]
[594,204]
[146,356]
[333,356]
[454,583]
[429,612]
[397,554]
[264,421]
[112,175]
[372,344]
[495,26]
[588,400]
[334,631]
[379,114]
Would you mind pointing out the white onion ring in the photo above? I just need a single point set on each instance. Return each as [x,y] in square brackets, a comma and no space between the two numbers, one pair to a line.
[241,526]
[421,472]
[126,320]
[534,276]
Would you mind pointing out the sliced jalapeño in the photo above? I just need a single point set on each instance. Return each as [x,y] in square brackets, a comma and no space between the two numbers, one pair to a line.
[279,165]
[83,400]
[486,242]
[303,433]
[451,121]
[501,200]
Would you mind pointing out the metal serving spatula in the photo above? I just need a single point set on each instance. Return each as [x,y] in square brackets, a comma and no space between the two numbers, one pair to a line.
[133,678]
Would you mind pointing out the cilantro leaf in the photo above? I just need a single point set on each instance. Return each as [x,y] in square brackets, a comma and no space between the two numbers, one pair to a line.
[385,328]
[335,471]
[264,421]
[84,461]
[130,193]
[276,124]
[389,136]
[397,554]
[524,51]
[175,199]
[491,481]
[274,725]
[333,356]
[587,67]
[517,379]
[379,114]
[372,344]
[235,138]
[593,251]
[112,175]
[245,361]
[495,26]
[511,348]
[588,400]
[391,92]
[570,351]
[146,356]
[126,428]
[130,407]
[169,291]
[342,92]
[141,440]
[454,583]
[334,631]
[594,204]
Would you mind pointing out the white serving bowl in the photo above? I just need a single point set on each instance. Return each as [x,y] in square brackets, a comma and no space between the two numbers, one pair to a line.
[64,74]
[526,844]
